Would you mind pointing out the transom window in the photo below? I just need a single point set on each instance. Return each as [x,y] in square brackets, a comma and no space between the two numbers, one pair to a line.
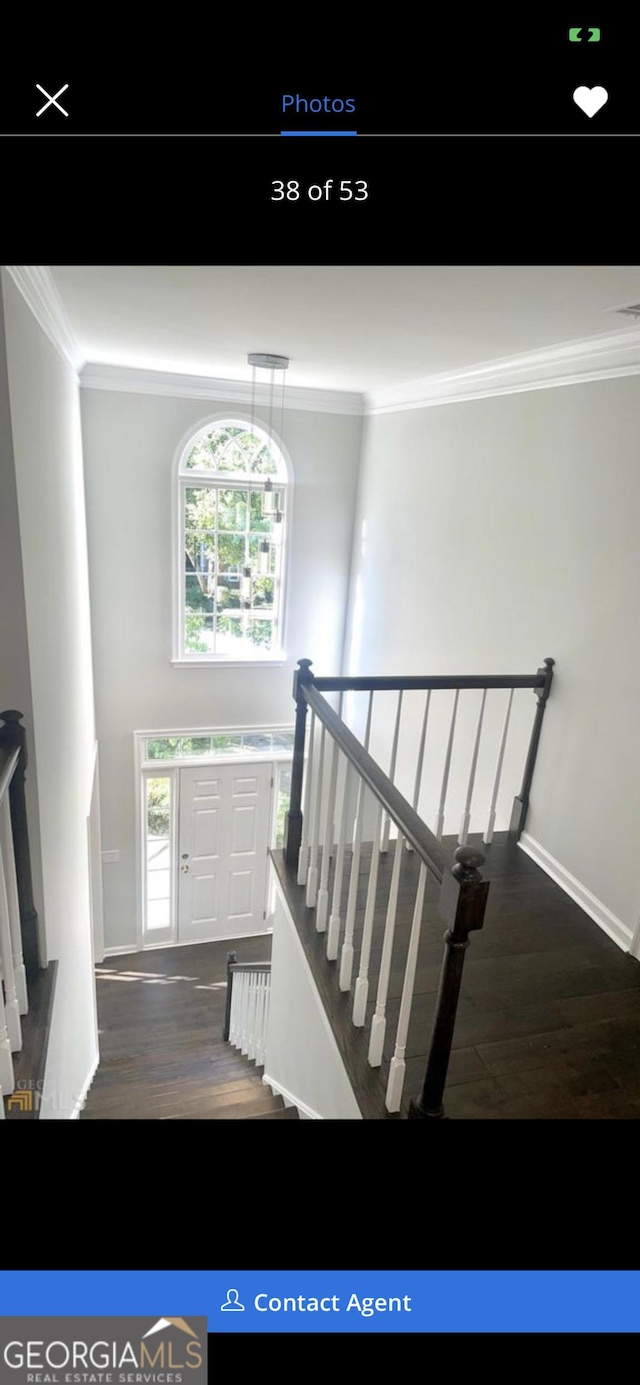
[233,489]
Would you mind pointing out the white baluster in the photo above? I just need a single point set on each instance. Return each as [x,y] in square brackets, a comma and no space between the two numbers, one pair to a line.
[466,816]
[253,1016]
[8,856]
[314,839]
[397,1066]
[267,1007]
[12,1012]
[323,892]
[361,991]
[247,998]
[2,1115]
[423,739]
[447,767]
[346,956]
[303,859]
[233,1012]
[384,844]
[333,935]
[6,1061]
[488,836]
[263,979]
[379,1023]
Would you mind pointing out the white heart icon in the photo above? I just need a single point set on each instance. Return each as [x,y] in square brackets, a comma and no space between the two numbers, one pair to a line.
[590,99]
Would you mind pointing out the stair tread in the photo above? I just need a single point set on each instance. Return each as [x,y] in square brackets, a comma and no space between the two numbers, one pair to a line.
[241,1111]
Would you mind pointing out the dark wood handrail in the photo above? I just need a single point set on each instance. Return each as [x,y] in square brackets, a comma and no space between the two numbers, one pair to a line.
[463,892]
[418,683]
[423,841]
[249,966]
[13,737]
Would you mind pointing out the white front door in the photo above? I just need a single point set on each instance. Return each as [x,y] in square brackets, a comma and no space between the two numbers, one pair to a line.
[225,816]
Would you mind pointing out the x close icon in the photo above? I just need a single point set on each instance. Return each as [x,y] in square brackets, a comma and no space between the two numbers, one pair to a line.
[52,100]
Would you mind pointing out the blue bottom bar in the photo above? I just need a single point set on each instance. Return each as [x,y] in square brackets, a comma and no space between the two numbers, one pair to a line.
[341,1301]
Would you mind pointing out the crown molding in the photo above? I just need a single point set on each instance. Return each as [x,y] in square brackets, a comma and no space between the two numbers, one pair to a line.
[568,363]
[134,381]
[37,286]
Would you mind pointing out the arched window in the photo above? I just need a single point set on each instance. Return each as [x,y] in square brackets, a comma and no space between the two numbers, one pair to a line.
[232,539]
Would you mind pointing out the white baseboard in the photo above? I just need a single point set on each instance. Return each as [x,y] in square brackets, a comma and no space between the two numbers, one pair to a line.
[121,951]
[608,922]
[75,1114]
[305,1112]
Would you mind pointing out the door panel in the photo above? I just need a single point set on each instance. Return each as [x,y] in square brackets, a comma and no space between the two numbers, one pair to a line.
[223,841]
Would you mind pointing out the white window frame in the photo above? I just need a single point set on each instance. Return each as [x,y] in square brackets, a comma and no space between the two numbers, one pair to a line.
[150,771]
[183,480]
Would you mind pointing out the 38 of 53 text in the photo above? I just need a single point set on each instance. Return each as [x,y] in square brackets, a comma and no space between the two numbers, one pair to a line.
[345,190]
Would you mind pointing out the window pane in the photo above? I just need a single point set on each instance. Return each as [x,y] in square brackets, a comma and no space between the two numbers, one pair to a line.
[158,914]
[232,510]
[283,740]
[260,741]
[199,592]
[255,556]
[199,633]
[220,744]
[263,589]
[200,503]
[260,633]
[163,749]
[195,745]
[231,553]
[258,522]
[233,448]
[158,807]
[229,634]
[284,794]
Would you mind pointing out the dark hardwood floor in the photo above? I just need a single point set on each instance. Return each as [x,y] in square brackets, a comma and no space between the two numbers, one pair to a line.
[160,1017]
[29,1063]
[548,1024]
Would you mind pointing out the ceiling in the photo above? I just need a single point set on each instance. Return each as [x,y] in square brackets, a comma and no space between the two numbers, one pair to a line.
[356,328]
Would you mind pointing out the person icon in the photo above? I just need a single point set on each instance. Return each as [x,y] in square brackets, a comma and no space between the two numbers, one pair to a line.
[232,1303]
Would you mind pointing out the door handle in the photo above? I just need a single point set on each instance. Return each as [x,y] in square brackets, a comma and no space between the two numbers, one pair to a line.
[184,869]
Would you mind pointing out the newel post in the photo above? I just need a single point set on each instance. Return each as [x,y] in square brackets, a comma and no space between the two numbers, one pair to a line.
[12,735]
[293,819]
[521,802]
[231,958]
[463,900]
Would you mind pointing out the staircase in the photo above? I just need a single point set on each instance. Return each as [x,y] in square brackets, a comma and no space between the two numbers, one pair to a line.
[232,1090]
[161,1016]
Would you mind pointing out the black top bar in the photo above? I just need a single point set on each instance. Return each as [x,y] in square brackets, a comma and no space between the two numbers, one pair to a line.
[397,684]
[424,843]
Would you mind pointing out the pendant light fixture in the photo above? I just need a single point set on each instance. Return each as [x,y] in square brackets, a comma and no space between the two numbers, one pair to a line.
[271,497]
[263,360]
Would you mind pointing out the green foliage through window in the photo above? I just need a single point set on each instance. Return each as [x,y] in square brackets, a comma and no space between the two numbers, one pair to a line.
[233,561]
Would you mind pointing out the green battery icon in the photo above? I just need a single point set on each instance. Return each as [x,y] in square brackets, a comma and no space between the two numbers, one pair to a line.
[577,35]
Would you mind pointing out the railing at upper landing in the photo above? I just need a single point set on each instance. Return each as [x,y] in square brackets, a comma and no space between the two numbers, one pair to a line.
[18,919]
[341,797]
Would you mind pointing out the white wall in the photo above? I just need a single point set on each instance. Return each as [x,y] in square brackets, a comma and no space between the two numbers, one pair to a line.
[15,678]
[129,445]
[48,461]
[302,1058]
[491,534]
